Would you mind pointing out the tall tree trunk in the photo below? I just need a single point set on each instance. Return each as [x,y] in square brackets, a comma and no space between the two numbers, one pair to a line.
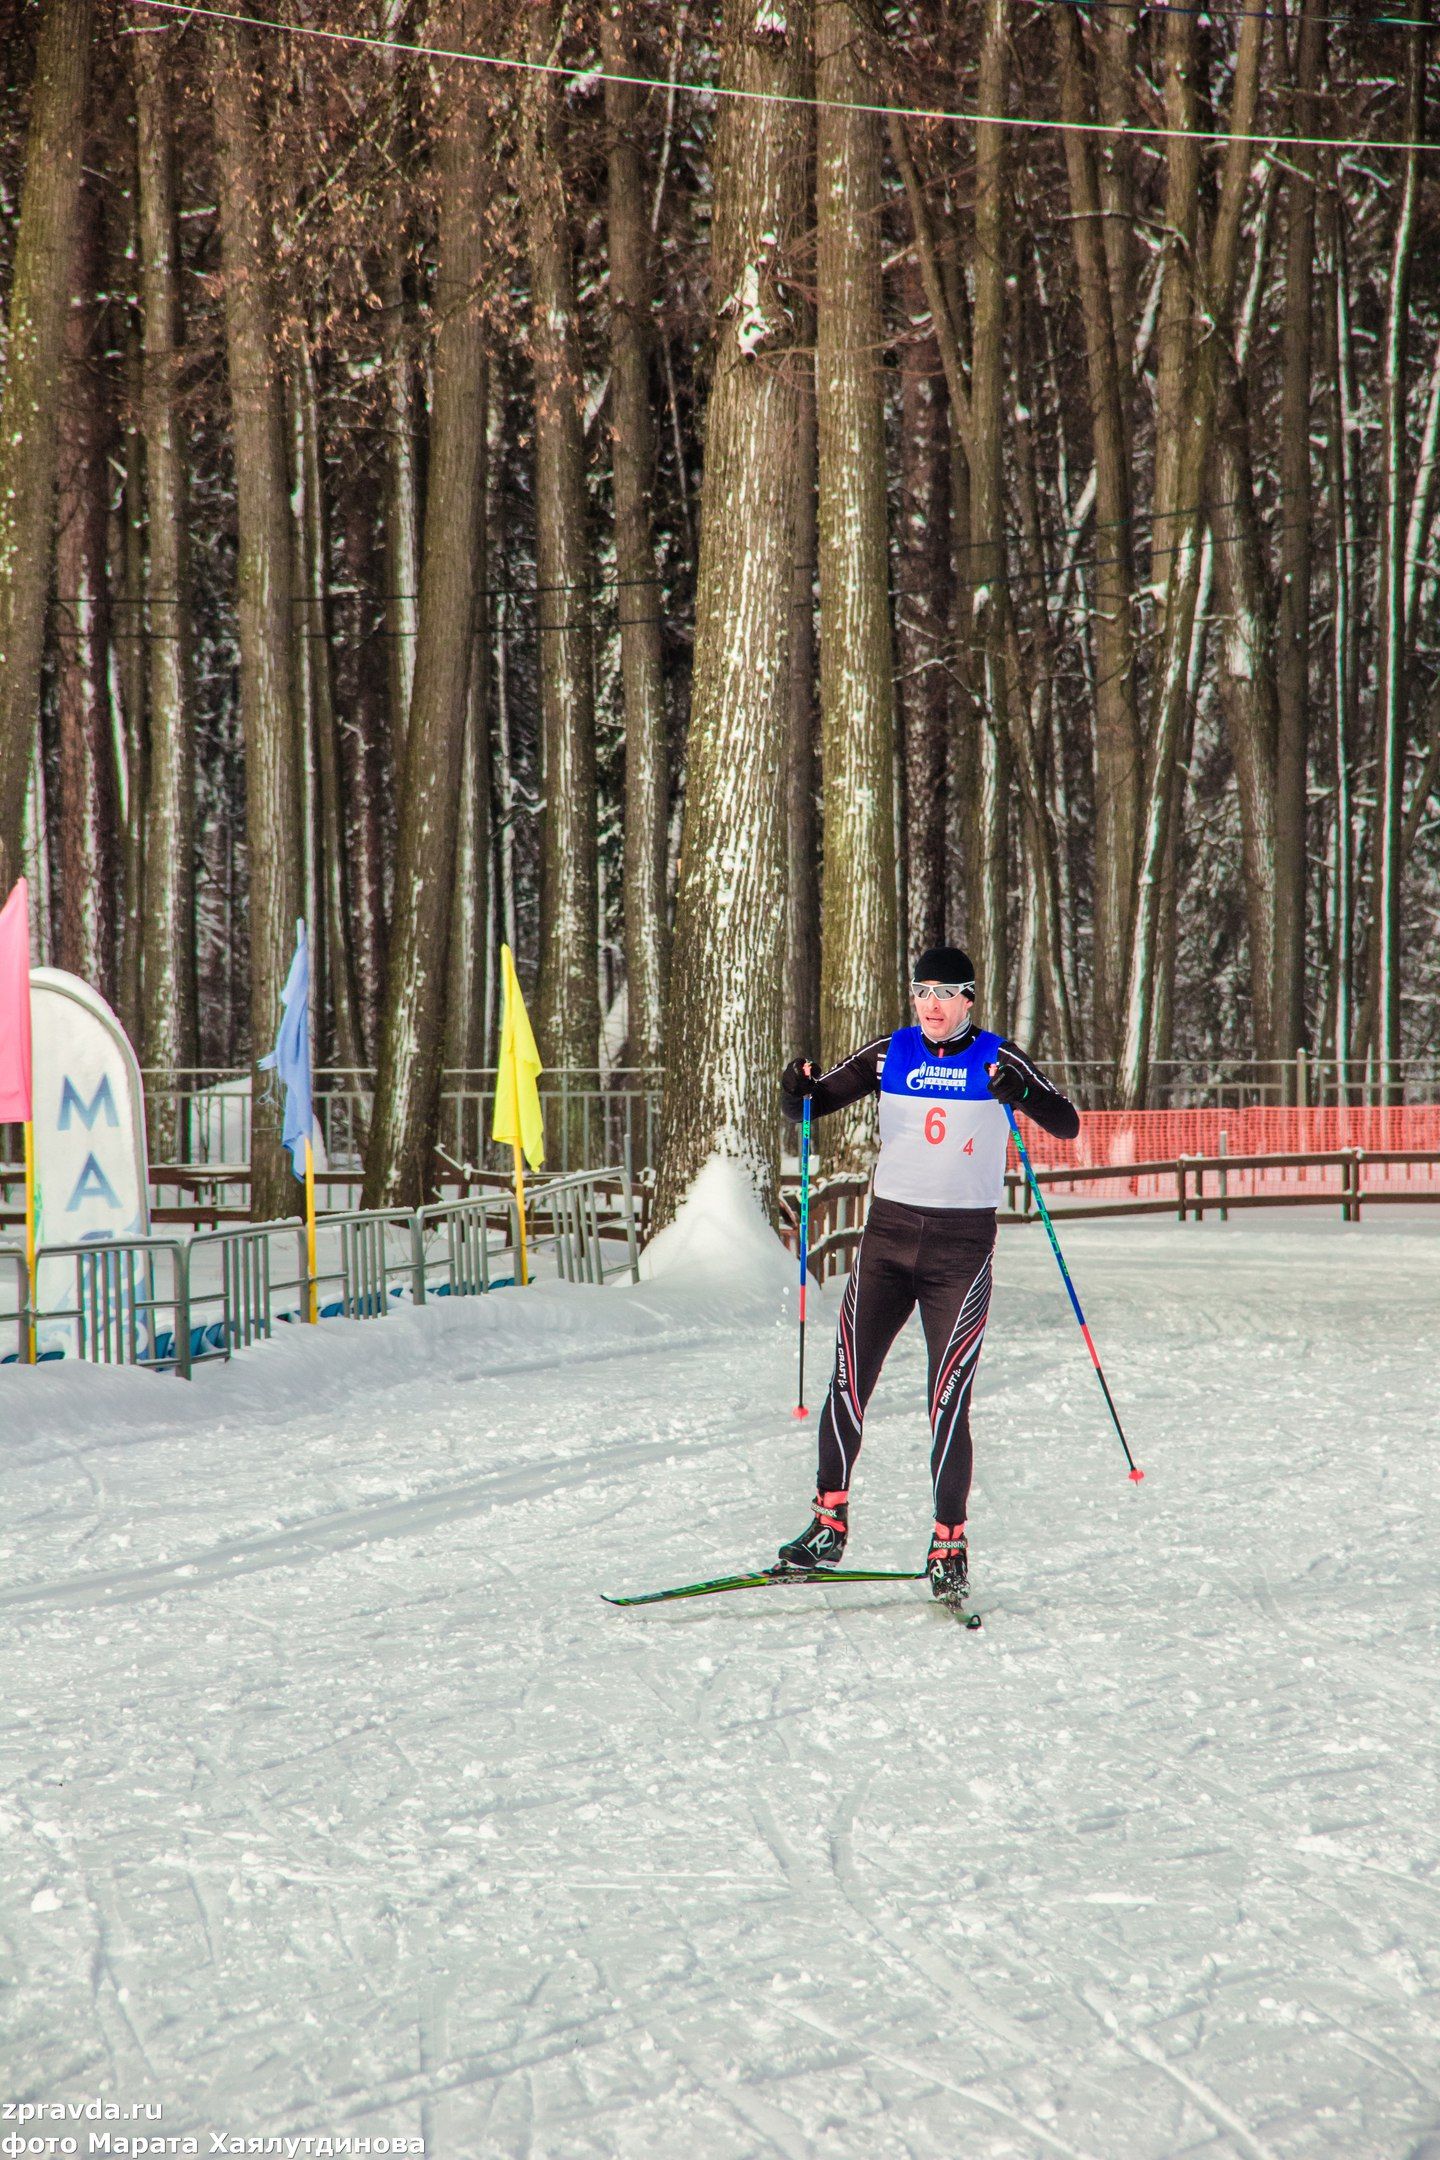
[801,1021]
[402,510]
[467,989]
[859,991]
[723,1031]
[569,1005]
[398,1159]
[39,296]
[1118,39]
[1249,698]
[88,849]
[126,573]
[1117,710]
[922,628]
[315,650]
[365,774]
[640,604]
[1195,316]
[264,600]
[1292,669]
[471,972]
[1387,865]
[990,595]
[1345,656]
[168,933]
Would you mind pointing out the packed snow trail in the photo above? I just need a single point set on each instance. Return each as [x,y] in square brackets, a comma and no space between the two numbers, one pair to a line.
[335,1802]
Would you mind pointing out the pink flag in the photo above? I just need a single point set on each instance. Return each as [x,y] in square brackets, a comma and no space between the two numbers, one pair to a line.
[15,1102]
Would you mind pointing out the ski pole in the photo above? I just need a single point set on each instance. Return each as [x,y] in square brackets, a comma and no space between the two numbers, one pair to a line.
[1135,1475]
[800,1409]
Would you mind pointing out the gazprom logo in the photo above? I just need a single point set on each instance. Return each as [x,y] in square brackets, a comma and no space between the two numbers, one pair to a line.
[954,1079]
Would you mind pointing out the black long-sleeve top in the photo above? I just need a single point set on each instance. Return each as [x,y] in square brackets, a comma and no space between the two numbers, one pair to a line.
[859,1075]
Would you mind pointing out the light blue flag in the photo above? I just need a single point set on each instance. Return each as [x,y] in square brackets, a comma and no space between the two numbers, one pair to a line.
[291,1056]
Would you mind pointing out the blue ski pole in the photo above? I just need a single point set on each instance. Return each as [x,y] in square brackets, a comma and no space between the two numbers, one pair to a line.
[800,1409]
[1136,1475]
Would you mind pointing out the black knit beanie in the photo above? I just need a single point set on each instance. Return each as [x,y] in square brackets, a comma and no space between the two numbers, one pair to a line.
[945,964]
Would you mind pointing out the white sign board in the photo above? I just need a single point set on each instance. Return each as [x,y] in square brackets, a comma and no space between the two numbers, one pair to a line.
[91,1171]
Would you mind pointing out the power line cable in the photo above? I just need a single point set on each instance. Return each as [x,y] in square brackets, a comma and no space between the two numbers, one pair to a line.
[589,75]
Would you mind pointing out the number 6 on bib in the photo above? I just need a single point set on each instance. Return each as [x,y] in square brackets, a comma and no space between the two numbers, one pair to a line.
[935,1124]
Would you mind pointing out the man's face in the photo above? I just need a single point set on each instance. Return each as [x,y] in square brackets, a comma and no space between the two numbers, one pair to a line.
[941,1008]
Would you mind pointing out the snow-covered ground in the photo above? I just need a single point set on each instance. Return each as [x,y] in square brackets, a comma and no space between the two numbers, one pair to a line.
[335,1802]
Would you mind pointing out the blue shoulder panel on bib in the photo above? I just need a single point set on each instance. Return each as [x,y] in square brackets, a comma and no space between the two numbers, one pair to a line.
[911,1069]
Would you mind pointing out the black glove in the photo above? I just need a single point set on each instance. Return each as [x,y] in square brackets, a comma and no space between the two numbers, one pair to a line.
[798,1079]
[1006,1084]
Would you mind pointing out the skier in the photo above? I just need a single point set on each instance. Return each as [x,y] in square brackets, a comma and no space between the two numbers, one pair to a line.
[928,1237]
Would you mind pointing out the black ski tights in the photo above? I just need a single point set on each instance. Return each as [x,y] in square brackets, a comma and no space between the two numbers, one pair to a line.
[938,1259]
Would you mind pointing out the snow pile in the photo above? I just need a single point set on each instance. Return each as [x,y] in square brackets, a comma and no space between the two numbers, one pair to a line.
[720,1234]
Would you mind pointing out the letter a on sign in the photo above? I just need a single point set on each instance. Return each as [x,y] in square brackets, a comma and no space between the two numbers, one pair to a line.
[92,1184]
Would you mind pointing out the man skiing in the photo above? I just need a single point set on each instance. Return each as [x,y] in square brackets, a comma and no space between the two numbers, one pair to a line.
[944,1086]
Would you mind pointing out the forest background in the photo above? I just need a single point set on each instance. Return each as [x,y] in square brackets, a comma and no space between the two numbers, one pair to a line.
[676,490]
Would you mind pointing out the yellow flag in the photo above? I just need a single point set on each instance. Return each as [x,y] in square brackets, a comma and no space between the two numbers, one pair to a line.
[518,1120]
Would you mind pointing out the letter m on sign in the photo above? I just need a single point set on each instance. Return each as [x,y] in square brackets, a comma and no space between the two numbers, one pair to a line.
[73,1104]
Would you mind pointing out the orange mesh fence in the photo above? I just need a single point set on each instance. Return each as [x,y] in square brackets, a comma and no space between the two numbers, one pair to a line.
[1113,1137]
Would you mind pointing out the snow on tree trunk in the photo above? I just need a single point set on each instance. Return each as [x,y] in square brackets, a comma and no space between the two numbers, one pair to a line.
[167,932]
[568,1020]
[84,814]
[361,687]
[471,949]
[1292,657]
[1248,698]
[1197,293]
[800,1030]
[402,510]
[639,602]
[860,994]
[39,295]
[922,626]
[1342,495]
[314,659]
[723,1027]
[1387,863]
[263,599]
[398,1157]
[1117,713]
[989,598]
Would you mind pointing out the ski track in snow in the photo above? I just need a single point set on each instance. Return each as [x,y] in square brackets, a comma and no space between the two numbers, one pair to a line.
[335,1801]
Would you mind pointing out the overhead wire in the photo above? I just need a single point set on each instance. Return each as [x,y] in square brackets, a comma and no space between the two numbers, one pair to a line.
[1023,122]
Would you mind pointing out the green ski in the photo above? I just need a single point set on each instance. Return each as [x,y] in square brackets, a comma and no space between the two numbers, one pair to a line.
[768,1578]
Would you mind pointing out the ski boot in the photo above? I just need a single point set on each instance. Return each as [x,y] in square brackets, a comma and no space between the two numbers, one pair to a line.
[823,1545]
[948,1563]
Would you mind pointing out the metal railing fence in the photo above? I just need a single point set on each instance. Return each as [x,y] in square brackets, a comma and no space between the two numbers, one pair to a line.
[1197,1185]
[591,1118]
[12,1260]
[228,1289]
[200,1115]
[109,1307]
